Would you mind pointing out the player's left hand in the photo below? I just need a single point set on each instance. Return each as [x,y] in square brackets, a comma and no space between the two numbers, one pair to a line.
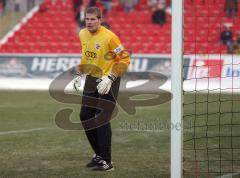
[77,83]
[105,85]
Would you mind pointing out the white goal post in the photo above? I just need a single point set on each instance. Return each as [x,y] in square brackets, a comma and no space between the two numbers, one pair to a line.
[176,89]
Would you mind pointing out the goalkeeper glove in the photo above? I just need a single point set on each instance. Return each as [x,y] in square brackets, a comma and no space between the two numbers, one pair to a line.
[77,83]
[77,77]
[105,85]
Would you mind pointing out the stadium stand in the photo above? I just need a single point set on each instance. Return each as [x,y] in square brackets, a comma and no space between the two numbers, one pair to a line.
[52,29]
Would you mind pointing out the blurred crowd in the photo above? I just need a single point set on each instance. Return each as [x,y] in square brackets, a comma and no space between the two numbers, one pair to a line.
[2,7]
[158,8]
[17,5]
[227,37]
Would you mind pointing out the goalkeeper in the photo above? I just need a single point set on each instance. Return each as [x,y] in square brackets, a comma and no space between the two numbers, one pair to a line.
[103,62]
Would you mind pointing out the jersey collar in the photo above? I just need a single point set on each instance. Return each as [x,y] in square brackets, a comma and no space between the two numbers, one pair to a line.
[98,31]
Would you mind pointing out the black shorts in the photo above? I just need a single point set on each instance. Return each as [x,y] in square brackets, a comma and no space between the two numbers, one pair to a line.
[97,109]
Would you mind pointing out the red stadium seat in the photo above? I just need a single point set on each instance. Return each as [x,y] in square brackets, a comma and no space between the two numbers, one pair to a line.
[55,31]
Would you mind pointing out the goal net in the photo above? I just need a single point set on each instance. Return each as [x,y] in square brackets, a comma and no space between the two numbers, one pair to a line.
[211,91]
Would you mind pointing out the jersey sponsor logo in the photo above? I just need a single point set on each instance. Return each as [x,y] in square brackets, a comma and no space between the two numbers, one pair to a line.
[97,46]
[90,54]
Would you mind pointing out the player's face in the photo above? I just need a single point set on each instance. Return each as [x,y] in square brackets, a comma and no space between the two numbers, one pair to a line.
[92,22]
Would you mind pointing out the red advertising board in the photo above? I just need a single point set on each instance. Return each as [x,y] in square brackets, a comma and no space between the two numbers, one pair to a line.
[205,68]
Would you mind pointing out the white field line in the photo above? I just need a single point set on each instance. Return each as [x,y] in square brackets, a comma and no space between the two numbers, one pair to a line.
[228,175]
[138,130]
[40,129]
[21,131]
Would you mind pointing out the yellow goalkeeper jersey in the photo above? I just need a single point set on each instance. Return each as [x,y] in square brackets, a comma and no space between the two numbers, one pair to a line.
[97,49]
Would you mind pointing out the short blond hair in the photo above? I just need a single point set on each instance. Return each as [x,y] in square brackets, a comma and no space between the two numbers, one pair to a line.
[94,10]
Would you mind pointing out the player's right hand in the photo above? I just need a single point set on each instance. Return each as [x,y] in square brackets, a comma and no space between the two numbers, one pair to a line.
[105,85]
[77,83]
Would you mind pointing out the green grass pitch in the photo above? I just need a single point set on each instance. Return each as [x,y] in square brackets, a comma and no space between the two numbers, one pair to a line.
[31,145]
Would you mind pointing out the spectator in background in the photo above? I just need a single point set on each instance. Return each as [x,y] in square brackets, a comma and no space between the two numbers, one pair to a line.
[43,8]
[231,7]
[128,5]
[2,7]
[30,4]
[92,3]
[236,46]
[226,38]
[17,4]
[153,3]
[168,3]
[80,17]
[76,5]
[159,15]
[107,6]
[105,23]
[168,7]
[238,38]
[203,1]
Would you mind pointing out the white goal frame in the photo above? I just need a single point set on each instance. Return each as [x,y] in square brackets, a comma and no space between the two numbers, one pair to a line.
[176,89]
